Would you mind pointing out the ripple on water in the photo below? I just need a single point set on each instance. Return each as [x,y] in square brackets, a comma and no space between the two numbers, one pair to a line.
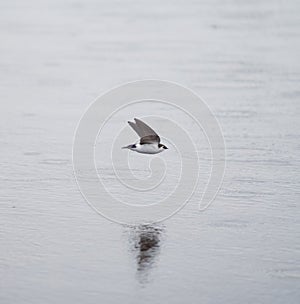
[54,161]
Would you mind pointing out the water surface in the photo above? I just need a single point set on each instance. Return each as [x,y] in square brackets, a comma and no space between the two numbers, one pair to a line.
[242,58]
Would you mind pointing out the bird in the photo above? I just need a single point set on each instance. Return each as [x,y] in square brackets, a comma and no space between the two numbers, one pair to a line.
[149,142]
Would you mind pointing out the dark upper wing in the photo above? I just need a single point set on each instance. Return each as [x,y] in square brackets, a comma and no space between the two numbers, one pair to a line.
[150,139]
[142,129]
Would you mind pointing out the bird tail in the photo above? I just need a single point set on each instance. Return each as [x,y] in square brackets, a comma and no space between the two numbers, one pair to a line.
[127,147]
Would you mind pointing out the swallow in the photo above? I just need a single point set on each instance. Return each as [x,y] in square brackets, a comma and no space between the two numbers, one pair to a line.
[149,142]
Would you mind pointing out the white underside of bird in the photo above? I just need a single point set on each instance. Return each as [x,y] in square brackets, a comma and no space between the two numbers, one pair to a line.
[146,148]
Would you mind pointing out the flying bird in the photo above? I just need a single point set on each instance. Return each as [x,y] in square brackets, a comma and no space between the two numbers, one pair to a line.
[149,142]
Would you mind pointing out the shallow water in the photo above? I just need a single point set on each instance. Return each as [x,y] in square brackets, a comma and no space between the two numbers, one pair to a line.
[242,58]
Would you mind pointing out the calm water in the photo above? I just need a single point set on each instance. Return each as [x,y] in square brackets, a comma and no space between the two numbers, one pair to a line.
[242,58]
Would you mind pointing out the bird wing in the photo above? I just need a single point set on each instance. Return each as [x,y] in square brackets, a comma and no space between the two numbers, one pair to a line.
[144,131]
[150,139]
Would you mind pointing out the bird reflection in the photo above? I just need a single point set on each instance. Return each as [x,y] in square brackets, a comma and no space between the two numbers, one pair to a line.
[145,244]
